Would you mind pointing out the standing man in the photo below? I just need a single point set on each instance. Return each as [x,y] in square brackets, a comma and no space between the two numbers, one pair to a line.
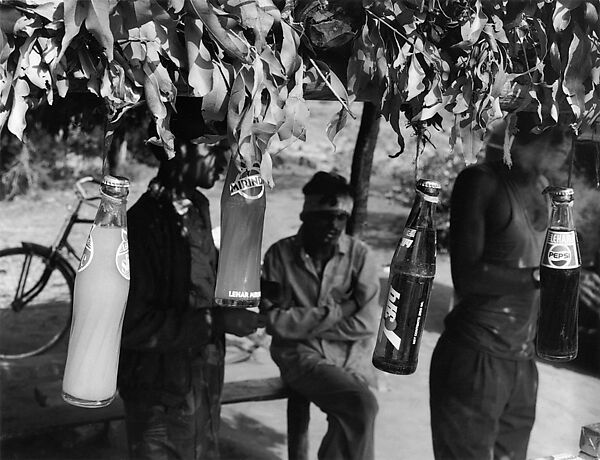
[483,378]
[324,317]
[172,350]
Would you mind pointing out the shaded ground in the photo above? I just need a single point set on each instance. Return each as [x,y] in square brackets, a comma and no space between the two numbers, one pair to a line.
[568,397]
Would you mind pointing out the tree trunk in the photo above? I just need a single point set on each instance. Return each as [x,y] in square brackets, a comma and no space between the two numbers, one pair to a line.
[362,162]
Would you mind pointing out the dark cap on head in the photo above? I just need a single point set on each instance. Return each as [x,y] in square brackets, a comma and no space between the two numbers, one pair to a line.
[327,191]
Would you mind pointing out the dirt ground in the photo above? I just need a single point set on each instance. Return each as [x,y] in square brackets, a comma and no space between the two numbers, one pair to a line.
[569,397]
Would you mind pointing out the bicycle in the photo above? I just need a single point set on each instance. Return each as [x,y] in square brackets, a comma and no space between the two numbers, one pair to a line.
[36,287]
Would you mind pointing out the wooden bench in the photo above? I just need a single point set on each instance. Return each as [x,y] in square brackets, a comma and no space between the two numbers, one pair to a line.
[48,411]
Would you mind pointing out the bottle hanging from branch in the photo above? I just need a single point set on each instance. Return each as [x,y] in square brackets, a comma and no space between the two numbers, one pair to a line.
[243,203]
[560,268]
[411,276]
[101,289]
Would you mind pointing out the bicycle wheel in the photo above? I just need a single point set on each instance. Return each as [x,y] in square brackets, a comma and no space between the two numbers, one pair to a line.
[36,297]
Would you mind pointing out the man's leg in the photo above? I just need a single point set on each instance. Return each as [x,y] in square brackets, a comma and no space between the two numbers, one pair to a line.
[156,432]
[350,406]
[207,376]
[517,421]
[468,391]
[187,431]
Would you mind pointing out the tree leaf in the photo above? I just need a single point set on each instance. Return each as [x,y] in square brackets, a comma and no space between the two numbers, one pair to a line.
[200,75]
[266,169]
[214,103]
[416,75]
[289,49]
[16,120]
[231,43]
[472,30]
[336,124]
[578,69]
[74,14]
[97,23]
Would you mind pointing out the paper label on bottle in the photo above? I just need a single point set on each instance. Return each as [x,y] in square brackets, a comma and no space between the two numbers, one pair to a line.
[408,237]
[389,317]
[88,252]
[122,256]
[248,184]
[560,250]
[244,294]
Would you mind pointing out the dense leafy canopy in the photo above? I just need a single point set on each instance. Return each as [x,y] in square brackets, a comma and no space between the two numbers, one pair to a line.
[249,62]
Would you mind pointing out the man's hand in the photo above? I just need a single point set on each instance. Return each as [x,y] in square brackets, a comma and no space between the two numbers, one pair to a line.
[240,322]
[340,297]
[589,290]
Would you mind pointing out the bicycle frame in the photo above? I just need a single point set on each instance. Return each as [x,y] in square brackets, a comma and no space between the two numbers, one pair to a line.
[63,235]
[53,255]
[22,298]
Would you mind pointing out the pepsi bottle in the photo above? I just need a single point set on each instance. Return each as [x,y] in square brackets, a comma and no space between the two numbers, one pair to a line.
[409,286]
[560,267]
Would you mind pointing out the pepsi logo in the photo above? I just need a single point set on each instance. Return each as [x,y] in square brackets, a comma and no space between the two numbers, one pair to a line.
[559,255]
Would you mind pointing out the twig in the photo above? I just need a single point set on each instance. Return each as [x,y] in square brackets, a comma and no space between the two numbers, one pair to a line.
[344,105]
[396,31]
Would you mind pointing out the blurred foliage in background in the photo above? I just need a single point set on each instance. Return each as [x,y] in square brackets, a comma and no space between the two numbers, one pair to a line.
[54,156]
[66,142]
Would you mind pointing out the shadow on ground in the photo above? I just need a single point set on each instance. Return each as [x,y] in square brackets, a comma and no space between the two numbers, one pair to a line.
[242,438]
[246,438]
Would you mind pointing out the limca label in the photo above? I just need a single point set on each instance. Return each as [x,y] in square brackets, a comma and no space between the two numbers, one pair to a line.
[560,250]
[122,256]
[248,184]
[88,252]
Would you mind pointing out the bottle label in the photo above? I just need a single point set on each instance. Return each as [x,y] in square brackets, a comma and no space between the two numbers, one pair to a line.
[88,252]
[389,316]
[244,294]
[122,256]
[408,237]
[560,250]
[248,184]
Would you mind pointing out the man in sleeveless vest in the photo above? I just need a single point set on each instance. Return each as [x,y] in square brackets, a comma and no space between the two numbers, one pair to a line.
[483,377]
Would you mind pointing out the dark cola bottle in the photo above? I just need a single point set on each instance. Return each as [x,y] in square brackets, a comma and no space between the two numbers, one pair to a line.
[411,276]
[560,268]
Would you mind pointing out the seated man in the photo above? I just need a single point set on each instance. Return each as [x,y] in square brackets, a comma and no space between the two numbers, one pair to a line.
[323,315]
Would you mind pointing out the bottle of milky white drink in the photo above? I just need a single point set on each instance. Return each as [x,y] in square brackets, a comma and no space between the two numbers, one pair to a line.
[101,288]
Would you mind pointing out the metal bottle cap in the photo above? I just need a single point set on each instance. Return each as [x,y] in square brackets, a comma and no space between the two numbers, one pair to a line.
[560,194]
[429,187]
[115,186]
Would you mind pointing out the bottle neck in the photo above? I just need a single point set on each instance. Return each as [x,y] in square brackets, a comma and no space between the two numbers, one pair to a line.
[111,212]
[422,214]
[562,216]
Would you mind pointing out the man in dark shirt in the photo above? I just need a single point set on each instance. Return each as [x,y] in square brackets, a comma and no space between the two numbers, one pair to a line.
[172,354]
[325,316]
[483,378]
